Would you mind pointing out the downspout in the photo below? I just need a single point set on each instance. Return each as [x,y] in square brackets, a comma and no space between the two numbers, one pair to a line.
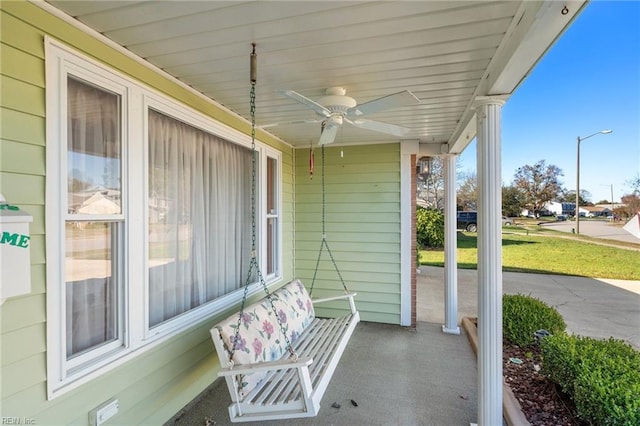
[408,150]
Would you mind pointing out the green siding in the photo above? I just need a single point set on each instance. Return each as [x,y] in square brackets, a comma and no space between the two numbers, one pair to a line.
[21,127]
[362,227]
[21,343]
[20,312]
[38,278]
[23,374]
[15,32]
[156,384]
[19,157]
[22,96]
[15,64]
[22,188]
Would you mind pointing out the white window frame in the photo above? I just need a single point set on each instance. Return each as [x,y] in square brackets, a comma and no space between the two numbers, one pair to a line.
[137,336]
[265,215]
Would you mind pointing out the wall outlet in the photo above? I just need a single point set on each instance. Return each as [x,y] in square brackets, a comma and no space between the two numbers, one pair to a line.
[103,412]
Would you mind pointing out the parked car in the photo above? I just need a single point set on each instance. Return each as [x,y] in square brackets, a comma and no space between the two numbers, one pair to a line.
[467,221]
[561,217]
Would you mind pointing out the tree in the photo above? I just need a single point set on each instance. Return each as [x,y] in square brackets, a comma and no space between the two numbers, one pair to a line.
[570,197]
[539,184]
[632,205]
[468,191]
[512,201]
[634,183]
[429,228]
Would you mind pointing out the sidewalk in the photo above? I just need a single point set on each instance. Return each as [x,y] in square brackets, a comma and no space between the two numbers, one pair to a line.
[591,307]
[599,229]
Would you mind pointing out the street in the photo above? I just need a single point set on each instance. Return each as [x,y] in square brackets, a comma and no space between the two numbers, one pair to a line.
[594,228]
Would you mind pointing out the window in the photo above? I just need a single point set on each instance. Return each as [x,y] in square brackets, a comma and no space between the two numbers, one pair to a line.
[199,217]
[94,222]
[148,218]
[272,215]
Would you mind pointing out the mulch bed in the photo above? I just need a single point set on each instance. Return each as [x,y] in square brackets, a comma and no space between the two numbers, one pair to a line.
[542,402]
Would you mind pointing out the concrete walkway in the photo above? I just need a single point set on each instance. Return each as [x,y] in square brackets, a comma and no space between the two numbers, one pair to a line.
[591,307]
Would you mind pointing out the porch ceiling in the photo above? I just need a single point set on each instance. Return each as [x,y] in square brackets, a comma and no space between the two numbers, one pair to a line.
[445,52]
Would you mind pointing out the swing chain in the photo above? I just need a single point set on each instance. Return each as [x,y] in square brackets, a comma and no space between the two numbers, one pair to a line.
[254,260]
[324,242]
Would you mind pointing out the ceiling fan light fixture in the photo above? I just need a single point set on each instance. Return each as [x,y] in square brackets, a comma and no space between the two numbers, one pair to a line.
[335,100]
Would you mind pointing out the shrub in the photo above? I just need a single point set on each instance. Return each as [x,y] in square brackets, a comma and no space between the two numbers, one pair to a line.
[429,228]
[560,360]
[523,315]
[601,376]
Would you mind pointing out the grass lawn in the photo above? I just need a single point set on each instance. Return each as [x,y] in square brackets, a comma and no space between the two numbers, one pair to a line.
[547,255]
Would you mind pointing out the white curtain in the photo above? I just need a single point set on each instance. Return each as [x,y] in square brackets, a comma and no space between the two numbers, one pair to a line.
[199,217]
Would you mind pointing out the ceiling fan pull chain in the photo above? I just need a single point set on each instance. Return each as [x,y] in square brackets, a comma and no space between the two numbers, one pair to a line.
[311,160]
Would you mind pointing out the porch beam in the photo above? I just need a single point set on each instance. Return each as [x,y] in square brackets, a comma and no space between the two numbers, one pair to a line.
[488,113]
[450,325]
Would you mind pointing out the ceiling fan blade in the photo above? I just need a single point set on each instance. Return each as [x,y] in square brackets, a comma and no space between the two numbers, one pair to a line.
[396,100]
[379,126]
[307,102]
[328,135]
[286,123]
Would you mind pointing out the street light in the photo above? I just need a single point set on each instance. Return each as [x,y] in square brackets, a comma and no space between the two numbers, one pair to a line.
[604,132]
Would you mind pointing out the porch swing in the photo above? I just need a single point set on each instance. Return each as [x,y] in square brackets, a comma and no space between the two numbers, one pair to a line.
[279,374]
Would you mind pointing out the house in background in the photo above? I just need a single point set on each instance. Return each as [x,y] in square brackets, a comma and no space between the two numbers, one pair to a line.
[557,207]
[594,211]
[153,99]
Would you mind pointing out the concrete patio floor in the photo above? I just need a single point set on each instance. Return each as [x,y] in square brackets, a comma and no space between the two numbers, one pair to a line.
[399,376]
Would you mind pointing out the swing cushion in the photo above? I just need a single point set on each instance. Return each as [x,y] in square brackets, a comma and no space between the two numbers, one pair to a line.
[260,338]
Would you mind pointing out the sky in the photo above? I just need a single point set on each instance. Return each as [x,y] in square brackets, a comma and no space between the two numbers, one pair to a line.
[587,82]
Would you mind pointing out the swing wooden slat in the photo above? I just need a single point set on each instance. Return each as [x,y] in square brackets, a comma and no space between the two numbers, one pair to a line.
[319,350]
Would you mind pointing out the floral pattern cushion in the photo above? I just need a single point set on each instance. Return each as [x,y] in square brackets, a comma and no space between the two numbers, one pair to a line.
[260,337]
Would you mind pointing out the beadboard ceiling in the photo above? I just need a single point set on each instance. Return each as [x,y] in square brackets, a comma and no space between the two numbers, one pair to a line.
[446,53]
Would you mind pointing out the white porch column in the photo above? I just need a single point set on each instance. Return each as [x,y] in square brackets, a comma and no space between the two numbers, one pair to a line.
[488,112]
[450,245]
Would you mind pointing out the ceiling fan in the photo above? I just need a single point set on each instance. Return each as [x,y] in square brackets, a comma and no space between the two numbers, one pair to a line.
[336,107]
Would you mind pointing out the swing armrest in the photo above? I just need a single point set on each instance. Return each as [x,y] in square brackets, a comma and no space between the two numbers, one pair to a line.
[329,299]
[283,364]
[349,296]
